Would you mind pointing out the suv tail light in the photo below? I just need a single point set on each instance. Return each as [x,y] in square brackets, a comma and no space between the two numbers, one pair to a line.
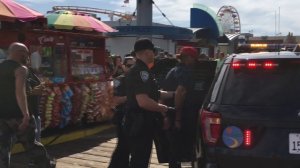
[248,138]
[211,127]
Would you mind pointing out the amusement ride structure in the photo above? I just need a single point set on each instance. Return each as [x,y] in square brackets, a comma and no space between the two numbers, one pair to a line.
[144,7]
[229,19]
[110,13]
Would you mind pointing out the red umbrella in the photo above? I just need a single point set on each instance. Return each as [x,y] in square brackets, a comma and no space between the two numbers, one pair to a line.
[11,11]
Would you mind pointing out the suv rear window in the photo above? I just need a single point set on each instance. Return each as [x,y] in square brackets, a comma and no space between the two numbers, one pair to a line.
[279,86]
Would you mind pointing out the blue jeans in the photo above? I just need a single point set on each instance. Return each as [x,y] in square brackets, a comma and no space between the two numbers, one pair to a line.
[9,135]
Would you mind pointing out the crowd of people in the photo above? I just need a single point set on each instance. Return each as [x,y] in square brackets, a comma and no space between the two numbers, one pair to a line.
[156,101]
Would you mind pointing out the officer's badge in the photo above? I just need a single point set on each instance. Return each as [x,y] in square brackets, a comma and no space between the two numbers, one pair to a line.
[144,75]
[116,83]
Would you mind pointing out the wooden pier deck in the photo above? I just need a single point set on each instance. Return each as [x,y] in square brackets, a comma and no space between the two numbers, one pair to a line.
[90,152]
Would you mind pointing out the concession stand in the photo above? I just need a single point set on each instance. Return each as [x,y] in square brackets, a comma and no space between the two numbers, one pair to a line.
[69,57]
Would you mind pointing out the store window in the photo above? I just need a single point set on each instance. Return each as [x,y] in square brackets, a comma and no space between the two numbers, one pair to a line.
[83,66]
[49,62]
[2,54]
[60,61]
[46,64]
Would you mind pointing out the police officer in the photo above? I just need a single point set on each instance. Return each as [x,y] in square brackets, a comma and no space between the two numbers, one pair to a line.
[120,157]
[16,123]
[180,79]
[143,109]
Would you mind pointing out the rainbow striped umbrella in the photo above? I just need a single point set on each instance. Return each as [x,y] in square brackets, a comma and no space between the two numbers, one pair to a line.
[12,11]
[69,20]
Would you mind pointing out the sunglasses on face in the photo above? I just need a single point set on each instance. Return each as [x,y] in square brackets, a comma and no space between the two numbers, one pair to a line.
[129,65]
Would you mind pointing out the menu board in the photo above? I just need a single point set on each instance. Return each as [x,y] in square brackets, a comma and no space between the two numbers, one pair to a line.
[82,63]
[82,56]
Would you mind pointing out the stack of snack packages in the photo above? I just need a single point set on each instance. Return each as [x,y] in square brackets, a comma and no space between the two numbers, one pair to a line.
[106,101]
[77,103]
[96,102]
[85,94]
[94,105]
[66,106]
[46,106]
[49,106]
[61,106]
[56,116]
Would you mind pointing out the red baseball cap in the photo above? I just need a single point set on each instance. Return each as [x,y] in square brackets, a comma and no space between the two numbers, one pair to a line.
[189,51]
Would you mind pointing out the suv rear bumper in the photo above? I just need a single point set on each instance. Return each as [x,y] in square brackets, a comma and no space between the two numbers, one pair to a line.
[238,160]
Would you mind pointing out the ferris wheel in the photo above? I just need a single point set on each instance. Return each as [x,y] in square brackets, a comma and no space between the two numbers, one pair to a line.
[229,19]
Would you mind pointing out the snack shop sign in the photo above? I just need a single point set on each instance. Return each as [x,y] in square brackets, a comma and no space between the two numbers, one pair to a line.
[46,39]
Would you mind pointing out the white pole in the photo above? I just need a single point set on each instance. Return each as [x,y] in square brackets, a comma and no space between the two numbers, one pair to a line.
[279,22]
[275,23]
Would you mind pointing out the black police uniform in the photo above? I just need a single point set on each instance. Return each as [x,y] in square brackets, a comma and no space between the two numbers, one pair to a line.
[140,124]
[120,157]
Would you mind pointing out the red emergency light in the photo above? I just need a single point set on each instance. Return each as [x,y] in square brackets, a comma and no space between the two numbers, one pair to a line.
[254,65]
[269,65]
[237,65]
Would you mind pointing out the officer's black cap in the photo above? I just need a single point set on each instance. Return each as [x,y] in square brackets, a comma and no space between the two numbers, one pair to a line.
[143,44]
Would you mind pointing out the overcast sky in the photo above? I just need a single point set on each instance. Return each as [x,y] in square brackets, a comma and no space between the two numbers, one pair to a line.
[255,16]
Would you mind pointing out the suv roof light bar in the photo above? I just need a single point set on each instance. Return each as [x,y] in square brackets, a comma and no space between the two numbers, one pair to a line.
[267,47]
[253,64]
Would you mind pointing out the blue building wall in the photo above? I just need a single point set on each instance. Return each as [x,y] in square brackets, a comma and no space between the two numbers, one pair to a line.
[202,19]
[170,32]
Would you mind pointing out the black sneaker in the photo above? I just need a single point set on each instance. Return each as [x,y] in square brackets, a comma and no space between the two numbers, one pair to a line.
[50,163]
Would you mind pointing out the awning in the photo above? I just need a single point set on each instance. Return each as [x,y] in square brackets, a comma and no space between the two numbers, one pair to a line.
[196,29]
[69,20]
[12,11]
[168,32]
[232,36]
[203,17]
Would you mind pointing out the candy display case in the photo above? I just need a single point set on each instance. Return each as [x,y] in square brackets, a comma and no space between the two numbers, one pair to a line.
[76,103]
[77,91]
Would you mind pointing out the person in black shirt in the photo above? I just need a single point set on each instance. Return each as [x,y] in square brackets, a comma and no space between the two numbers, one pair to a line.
[16,123]
[120,157]
[180,79]
[142,108]
[14,114]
